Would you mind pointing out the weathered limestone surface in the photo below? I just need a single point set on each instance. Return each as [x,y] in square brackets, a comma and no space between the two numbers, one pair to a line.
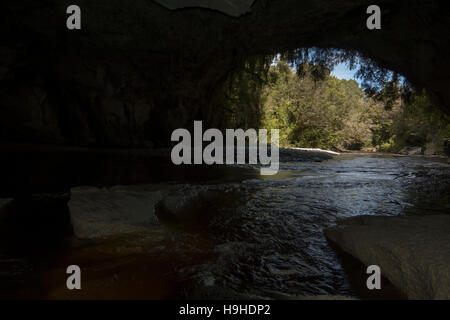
[413,252]
[105,212]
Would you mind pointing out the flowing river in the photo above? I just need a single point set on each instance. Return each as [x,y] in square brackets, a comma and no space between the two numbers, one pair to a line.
[261,237]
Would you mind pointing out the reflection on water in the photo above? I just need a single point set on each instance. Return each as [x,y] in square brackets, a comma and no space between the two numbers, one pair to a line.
[262,237]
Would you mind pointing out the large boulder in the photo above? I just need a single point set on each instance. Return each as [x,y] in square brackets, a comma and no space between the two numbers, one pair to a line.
[413,252]
[106,212]
[191,205]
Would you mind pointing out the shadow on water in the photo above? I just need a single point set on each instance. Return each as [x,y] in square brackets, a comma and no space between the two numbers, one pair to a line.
[33,233]
[245,236]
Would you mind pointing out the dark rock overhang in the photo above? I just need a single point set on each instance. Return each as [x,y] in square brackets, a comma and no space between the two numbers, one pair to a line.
[137,66]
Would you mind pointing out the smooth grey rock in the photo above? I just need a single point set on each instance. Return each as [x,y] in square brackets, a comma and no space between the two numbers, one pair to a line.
[105,212]
[413,252]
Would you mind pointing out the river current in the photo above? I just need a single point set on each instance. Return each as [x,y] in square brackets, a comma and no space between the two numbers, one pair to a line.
[270,241]
[260,237]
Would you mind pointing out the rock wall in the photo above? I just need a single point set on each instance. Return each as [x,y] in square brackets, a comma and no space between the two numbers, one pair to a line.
[135,72]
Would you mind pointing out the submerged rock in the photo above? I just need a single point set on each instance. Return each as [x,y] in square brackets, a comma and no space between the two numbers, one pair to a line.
[413,252]
[104,212]
[192,204]
[176,206]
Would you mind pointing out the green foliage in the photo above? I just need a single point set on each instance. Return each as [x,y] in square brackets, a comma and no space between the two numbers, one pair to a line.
[317,113]
[314,109]
[373,76]
[336,114]
[240,98]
